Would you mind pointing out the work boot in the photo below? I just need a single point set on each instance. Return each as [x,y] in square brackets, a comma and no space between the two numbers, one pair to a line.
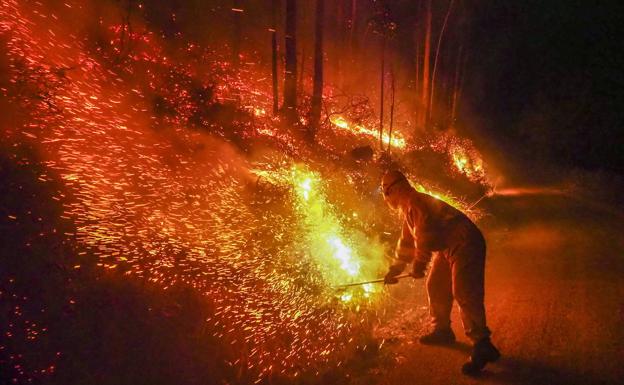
[438,337]
[482,353]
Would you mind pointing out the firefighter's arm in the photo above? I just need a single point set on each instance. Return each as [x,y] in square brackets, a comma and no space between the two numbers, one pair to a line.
[403,254]
[406,246]
[421,261]
[422,253]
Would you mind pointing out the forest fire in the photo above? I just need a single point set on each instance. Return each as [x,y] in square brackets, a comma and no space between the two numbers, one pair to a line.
[227,192]
[176,174]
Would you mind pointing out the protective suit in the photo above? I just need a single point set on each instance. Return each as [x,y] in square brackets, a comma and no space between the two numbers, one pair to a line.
[431,226]
[432,229]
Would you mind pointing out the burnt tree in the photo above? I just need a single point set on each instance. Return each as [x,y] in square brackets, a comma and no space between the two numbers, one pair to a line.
[426,116]
[430,106]
[392,104]
[274,70]
[290,78]
[317,94]
[381,90]
[383,25]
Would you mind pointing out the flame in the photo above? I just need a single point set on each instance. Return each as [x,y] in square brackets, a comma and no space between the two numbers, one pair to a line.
[467,163]
[462,206]
[518,191]
[326,240]
[397,140]
[344,254]
[463,157]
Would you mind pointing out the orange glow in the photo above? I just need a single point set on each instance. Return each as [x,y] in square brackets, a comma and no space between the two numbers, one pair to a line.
[516,191]
[463,157]
[466,163]
[397,139]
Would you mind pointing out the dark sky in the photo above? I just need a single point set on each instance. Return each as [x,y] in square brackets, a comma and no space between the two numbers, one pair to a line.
[547,79]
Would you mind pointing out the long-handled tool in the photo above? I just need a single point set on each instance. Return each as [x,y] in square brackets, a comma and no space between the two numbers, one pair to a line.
[373,281]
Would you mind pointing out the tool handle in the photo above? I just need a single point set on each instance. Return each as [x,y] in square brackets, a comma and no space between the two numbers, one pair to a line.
[404,275]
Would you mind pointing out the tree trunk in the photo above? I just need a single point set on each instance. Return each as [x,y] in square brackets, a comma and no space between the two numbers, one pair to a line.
[417,107]
[426,62]
[317,94]
[302,65]
[338,42]
[460,82]
[381,99]
[457,83]
[274,11]
[290,78]
[392,89]
[437,55]
[352,32]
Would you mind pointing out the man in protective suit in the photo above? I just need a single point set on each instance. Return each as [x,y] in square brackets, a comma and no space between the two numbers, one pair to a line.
[457,270]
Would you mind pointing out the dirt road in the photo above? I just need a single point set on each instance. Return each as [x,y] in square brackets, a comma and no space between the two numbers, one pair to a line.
[554,296]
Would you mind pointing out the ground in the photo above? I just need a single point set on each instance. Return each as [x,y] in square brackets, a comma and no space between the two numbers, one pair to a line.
[554,298]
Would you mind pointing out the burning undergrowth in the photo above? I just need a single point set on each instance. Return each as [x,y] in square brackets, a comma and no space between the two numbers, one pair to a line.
[264,236]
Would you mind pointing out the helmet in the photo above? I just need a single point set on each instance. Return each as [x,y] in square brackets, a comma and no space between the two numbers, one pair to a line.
[390,179]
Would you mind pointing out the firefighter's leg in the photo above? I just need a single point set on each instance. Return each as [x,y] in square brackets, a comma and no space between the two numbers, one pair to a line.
[468,269]
[468,265]
[468,272]
[439,290]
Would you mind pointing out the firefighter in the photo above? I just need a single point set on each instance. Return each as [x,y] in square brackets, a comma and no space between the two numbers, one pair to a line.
[432,228]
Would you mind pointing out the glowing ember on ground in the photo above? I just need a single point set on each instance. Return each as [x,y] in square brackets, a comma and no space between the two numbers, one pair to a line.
[397,140]
[463,156]
[471,166]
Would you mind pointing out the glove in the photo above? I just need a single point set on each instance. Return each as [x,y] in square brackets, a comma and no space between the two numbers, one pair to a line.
[418,269]
[394,270]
